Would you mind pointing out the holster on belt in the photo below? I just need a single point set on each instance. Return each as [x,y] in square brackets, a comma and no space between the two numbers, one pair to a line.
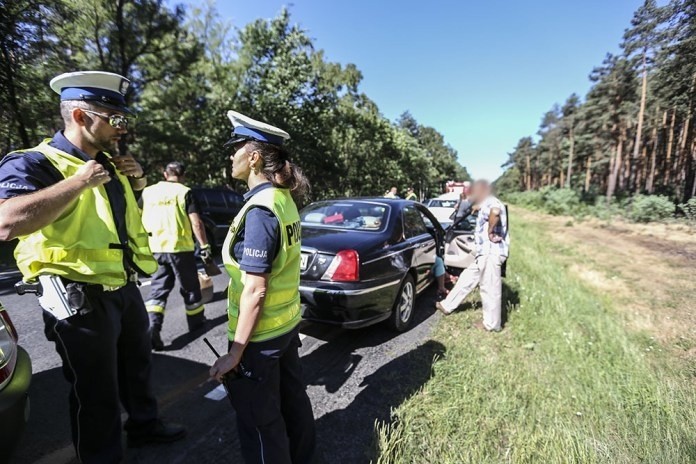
[77,297]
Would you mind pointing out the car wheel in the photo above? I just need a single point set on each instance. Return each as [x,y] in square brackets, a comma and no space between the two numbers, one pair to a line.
[402,314]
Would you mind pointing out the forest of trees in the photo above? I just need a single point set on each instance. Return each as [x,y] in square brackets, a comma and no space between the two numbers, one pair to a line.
[188,68]
[633,133]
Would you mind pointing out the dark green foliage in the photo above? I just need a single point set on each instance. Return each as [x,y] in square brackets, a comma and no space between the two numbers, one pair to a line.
[551,200]
[647,208]
[188,68]
[563,201]
[689,209]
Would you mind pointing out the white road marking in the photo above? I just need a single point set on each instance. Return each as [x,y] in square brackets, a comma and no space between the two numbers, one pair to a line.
[146,283]
[217,393]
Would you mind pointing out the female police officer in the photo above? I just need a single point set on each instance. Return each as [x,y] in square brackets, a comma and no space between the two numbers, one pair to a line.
[262,256]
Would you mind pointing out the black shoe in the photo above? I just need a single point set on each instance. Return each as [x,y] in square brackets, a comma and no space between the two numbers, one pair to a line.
[160,433]
[157,343]
[196,322]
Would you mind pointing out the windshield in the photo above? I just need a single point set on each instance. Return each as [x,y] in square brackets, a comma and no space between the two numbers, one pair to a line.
[442,203]
[346,214]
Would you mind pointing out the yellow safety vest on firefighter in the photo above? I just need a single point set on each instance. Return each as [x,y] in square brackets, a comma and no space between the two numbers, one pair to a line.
[166,219]
[82,244]
[281,308]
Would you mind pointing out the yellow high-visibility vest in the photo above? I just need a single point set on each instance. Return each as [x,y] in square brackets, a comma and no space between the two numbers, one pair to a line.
[166,219]
[281,308]
[82,244]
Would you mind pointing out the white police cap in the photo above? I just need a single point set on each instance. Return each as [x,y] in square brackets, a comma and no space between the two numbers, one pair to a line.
[99,87]
[246,128]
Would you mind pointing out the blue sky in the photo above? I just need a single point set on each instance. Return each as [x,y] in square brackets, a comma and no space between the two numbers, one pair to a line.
[481,72]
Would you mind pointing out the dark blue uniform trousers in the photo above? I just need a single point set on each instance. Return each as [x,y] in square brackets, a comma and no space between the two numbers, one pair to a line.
[106,358]
[174,266]
[274,415]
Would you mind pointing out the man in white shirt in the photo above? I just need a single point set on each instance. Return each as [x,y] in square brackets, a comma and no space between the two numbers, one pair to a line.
[492,246]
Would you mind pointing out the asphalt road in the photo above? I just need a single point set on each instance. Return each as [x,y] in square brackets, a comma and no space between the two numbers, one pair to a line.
[354,378]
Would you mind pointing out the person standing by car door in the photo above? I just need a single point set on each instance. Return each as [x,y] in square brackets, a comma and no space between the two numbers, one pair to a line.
[172,218]
[464,206]
[492,246]
[72,206]
[262,370]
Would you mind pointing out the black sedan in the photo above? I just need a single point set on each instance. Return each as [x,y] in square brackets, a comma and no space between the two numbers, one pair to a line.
[218,207]
[365,260]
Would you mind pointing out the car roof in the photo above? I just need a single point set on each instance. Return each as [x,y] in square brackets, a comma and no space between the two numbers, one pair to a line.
[389,201]
[448,196]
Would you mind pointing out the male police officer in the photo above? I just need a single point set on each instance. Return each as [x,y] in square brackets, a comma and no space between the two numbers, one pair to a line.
[73,209]
[171,216]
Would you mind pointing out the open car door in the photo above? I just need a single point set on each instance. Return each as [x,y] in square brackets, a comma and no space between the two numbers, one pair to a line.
[459,244]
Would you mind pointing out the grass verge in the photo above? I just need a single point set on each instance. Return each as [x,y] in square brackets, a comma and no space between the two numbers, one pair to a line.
[565,382]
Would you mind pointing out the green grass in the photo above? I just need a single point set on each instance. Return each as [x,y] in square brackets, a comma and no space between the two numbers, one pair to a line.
[565,382]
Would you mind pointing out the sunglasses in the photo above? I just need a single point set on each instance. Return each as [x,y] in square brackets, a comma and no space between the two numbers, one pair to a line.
[117,121]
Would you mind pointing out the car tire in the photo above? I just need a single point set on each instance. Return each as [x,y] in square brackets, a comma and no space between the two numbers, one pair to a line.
[402,312]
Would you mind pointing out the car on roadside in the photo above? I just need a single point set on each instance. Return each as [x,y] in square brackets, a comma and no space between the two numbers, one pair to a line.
[364,260]
[15,377]
[442,208]
[218,207]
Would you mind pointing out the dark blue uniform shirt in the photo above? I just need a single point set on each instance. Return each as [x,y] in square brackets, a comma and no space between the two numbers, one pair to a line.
[256,250]
[29,171]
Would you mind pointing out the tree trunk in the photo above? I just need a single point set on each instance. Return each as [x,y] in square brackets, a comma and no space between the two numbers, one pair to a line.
[670,145]
[641,111]
[626,168]
[642,174]
[616,168]
[588,173]
[528,174]
[688,150]
[650,179]
[571,153]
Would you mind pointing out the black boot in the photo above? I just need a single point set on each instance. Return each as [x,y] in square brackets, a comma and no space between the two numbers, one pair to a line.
[156,320]
[196,322]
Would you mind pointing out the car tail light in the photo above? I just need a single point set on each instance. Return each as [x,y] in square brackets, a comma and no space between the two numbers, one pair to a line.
[8,348]
[345,267]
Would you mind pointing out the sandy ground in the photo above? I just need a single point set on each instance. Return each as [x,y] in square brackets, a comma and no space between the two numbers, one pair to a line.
[648,269]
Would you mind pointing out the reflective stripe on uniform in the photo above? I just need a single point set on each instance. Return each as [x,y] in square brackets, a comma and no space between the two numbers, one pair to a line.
[194,311]
[154,308]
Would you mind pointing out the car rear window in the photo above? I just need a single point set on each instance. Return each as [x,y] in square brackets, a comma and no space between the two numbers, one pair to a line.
[442,203]
[352,215]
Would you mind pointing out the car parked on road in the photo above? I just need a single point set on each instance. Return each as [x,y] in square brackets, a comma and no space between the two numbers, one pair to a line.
[15,377]
[442,209]
[218,206]
[364,260]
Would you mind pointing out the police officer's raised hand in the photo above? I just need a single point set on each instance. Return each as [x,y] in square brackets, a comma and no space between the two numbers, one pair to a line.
[128,166]
[92,174]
